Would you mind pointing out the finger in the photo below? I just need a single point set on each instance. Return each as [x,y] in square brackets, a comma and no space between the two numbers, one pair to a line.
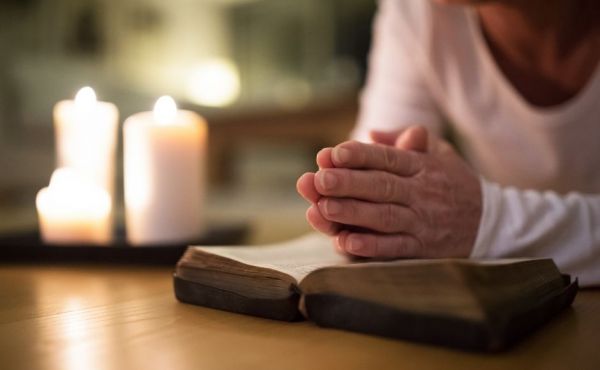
[339,241]
[319,223]
[373,186]
[338,248]
[385,246]
[381,217]
[353,154]
[444,148]
[324,158]
[413,138]
[306,187]
[385,137]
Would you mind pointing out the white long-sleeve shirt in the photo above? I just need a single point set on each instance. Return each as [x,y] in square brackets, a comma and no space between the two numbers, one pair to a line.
[540,167]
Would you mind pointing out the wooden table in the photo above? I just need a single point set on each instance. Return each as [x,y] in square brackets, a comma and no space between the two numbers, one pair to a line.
[107,317]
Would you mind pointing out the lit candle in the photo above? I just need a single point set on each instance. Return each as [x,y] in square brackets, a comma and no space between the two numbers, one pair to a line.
[86,137]
[164,159]
[72,209]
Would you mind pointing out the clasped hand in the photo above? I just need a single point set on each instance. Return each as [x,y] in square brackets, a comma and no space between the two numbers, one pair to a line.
[406,195]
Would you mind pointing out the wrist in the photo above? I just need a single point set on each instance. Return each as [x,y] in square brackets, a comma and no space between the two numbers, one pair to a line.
[487,232]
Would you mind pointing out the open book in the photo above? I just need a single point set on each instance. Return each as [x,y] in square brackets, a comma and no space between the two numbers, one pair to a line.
[471,304]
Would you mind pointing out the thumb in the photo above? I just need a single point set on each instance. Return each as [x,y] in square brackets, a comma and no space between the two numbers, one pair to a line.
[413,138]
[385,137]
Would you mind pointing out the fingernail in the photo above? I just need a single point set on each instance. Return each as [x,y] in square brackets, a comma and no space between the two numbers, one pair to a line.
[355,244]
[341,155]
[327,180]
[332,207]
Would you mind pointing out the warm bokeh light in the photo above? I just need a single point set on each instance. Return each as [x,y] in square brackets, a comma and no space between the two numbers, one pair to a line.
[165,110]
[214,82]
[71,196]
[85,98]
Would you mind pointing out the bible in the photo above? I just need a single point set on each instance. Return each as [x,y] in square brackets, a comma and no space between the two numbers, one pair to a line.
[481,305]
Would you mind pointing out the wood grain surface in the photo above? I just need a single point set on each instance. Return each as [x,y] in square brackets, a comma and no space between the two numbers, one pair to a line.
[103,317]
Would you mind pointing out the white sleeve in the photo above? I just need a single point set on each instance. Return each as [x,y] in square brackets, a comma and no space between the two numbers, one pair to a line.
[396,93]
[526,223]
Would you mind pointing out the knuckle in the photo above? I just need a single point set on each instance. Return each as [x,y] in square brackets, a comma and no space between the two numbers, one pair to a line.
[376,246]
[351,145]
[416,223]
[388,218]
[405,247]
[390,159]
[348,211]
[397,249]
[348,181]
[388,190]
[355,148]
[409,191]
[409,195]
[333,182]
[401,248]
[416,163]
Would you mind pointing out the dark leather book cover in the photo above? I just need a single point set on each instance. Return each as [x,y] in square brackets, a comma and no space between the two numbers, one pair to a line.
[497,333]
[199,294]
[501,328]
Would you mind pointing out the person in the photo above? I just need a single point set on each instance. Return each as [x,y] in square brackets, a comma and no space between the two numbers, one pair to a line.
[517,83]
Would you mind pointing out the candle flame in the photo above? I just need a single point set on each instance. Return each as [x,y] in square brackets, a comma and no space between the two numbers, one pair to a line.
[66,179]
[165,110]
[85,98]
[69,195]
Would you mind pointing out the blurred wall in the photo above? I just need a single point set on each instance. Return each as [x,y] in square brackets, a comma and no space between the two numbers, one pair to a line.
[261,58]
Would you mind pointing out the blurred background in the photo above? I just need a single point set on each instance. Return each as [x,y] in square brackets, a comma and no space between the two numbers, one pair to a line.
[276,79]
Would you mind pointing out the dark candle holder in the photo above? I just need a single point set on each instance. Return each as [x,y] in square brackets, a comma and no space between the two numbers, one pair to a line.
[28,247]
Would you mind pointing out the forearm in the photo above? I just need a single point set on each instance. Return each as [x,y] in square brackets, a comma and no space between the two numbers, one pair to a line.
[519,223]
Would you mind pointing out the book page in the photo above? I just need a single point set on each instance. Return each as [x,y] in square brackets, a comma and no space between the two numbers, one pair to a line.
[297,257]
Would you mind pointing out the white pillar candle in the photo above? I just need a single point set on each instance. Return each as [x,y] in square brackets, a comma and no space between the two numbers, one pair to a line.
[86,137]
[164,159]
[72,210]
